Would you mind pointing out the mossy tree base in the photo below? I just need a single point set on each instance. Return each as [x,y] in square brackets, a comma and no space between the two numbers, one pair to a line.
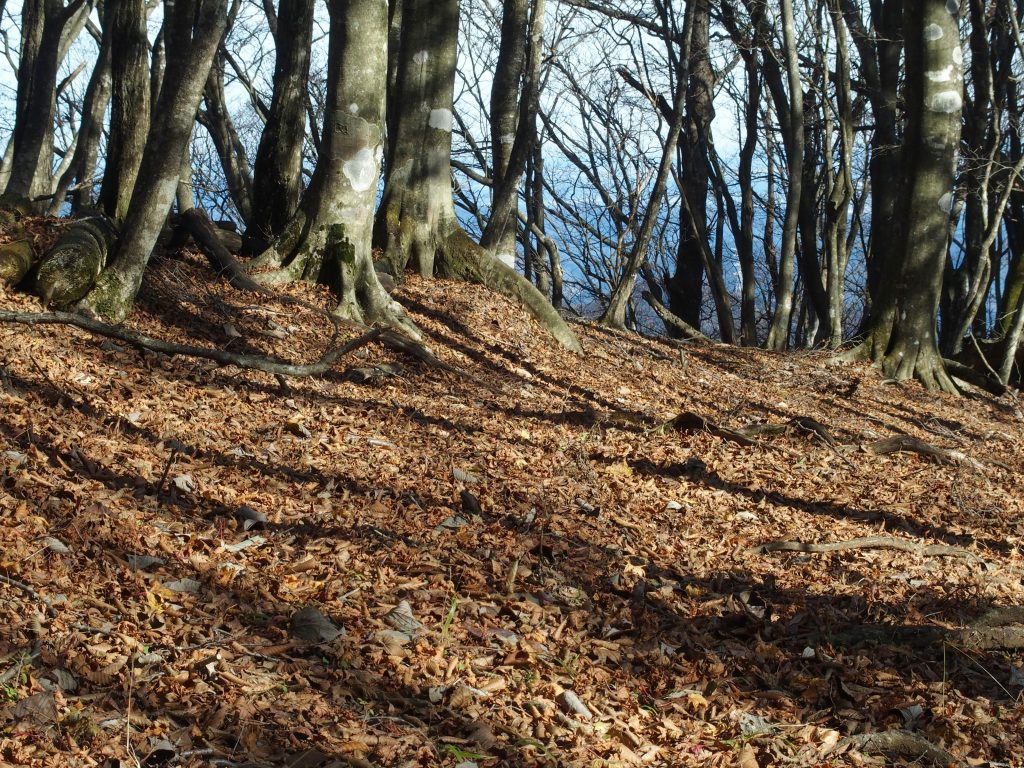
[16,255]
[72,265]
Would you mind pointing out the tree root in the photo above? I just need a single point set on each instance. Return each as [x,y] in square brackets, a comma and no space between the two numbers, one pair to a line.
[220,356]
[691,422]
[388,337]
[907,444]
[902,743]
[685,329]
[866,542]
[802,423]
[199,225]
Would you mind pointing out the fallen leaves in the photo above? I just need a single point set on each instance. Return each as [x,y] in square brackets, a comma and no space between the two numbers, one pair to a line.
[402,567]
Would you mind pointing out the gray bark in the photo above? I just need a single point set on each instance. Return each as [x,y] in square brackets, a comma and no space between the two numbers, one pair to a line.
[193,30]
[124,30]
[277,178]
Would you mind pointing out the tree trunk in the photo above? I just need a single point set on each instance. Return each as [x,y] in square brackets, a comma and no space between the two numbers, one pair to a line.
[778,334]
[505,101]
[416,223]
[685,288]
[277,171]
[745,241]
[124,30]
[193,30]
[233,159]
[840,193]
[330,237]
[43,24]
[83,164]
[902,336]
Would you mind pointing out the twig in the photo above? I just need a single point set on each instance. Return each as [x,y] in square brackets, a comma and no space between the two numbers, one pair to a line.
[167,469]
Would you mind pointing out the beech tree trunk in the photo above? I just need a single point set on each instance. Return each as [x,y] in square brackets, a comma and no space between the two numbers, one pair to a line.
[778,333]
[42,30]
[902,329]
[416,223]
[277,169]
[216,118]
[193,30]
[505,102]
[124,30]
[685,288]
[330,236]
[83,164]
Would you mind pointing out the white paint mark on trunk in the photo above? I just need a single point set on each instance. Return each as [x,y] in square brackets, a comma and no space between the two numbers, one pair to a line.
[933,32]
[958,56]
[508,138]
[946,202]
[441,119]
[941,75]
[946,102]
[508,259]
[353,108]
[420,58]
[361,170]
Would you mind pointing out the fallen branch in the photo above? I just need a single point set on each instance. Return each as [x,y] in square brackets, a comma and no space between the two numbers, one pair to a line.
[865,542]
[902,743]
[222,357]
[972,638]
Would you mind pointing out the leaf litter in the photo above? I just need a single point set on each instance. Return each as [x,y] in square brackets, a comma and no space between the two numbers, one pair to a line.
[610,559]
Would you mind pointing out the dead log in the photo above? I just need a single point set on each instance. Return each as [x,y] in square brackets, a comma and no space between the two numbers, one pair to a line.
[70,268]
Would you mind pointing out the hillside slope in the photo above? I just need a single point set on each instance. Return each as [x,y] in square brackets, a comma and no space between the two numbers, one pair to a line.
[529,566]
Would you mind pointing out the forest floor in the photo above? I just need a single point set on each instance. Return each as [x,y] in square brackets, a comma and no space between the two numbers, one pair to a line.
[531,565]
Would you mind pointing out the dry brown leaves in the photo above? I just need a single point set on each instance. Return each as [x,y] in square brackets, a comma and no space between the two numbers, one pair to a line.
[531,576]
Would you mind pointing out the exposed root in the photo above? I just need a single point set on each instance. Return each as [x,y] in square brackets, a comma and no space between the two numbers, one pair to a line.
[802,423]
[902,743]
[686,330]
[223,357]
[866,542]
[907,444]
[691,422]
